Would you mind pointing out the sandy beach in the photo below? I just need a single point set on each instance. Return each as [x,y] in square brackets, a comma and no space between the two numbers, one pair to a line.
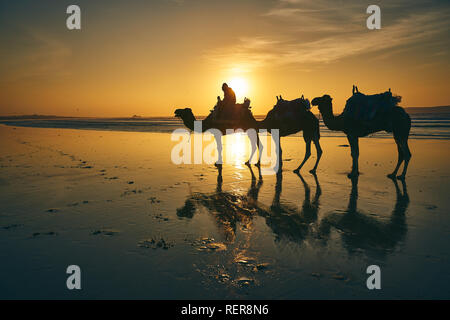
[140,226]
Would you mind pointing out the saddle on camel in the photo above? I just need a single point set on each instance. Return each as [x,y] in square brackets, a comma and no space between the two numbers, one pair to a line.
[370,109]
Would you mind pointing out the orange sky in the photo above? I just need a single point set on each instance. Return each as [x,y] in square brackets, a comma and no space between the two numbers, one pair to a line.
[148,58]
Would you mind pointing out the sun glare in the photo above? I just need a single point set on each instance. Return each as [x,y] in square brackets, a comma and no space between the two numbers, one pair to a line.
[240,87]
[238,149]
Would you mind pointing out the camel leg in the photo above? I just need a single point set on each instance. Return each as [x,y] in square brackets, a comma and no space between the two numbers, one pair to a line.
[355,155]
[219,162]
[260,150]
[399,161]
[280,155]
[401,123]
[307,154]
[319,153]
[255,143]
[407,155]
[253,175]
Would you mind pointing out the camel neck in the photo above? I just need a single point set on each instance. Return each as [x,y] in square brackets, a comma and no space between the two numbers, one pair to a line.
[331,121]
[189,123]
[263,124]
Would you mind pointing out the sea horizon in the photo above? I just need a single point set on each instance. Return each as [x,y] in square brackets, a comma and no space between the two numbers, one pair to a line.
[425,124]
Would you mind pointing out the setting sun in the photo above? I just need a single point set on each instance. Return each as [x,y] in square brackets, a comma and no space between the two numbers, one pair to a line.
[240,87]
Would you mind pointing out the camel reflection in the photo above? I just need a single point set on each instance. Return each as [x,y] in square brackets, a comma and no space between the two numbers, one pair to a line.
[359,231]
[285,220]
[362,232]
[230,209]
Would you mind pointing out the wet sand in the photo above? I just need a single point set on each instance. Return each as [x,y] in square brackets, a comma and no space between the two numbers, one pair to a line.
[141,227]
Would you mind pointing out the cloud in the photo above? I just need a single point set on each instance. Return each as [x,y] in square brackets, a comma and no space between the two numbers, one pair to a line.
[330,34]
[33,53]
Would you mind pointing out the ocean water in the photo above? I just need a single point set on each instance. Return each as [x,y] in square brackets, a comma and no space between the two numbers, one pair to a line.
[424,125]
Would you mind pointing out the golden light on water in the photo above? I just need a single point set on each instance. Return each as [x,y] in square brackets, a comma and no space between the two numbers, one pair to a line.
[238,149]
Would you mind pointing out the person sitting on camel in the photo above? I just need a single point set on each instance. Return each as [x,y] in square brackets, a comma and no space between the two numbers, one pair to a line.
[228,102]
[229,97]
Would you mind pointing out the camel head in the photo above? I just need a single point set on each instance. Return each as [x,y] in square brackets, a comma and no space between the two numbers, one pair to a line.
[184,114]
[324,102]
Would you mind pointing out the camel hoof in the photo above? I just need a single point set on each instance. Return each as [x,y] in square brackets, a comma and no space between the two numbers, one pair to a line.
[247,163]
[313,171]
[218,165]
[402,177]
[391,176]
[297,171]
[258,164]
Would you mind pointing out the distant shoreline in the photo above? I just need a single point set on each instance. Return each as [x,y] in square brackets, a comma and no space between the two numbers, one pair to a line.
[411,110]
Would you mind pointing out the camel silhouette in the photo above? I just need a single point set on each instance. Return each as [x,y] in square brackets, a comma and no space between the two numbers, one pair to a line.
[289,117]
[394,119]
[240,117]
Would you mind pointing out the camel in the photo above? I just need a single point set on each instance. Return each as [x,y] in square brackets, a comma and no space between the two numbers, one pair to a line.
[289,117]
[393,119]
[240,118]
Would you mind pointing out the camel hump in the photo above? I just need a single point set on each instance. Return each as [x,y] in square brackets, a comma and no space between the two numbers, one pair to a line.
[367,107]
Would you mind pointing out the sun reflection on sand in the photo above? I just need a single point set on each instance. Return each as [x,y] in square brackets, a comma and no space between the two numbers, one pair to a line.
[238,149]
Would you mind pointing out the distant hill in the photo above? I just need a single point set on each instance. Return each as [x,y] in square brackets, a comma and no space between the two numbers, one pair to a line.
[32,116]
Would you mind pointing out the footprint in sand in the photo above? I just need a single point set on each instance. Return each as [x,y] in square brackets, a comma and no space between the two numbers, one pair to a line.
[105,232]
[160,217]
[50,233]
[155,244]
[12,226]
[153,200]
